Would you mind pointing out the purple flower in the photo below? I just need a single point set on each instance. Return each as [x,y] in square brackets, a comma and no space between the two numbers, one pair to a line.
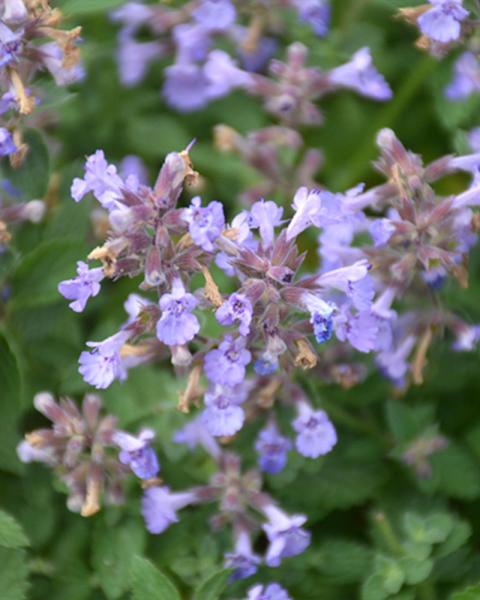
[223,74]
[86,285]
[226,364]
[393,361]
[192,42]
[285,534]
[222,414]
[103,364]
[134,57]
[306,205]
[316,435]
[137,453]
[272,591]
[215,15]
[272,448]
[237,309]
[186,87]
[100,178]
[195,434]
[442,22]
[360,330]
[242,560]
[361,75]
[266,215]
[159,507]
[53,58]
[14,11]
[132,14]
[467,337]
[466,79]
[177,325]
[205,224]
[381,231]
[10,44]
[474,139]
[316,13]
[321,317]
[266,364]
[7,145]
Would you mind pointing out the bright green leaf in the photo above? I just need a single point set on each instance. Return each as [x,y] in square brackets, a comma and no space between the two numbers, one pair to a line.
[148,583]
[212,587]
[11,532]
[470,593]
[13,574]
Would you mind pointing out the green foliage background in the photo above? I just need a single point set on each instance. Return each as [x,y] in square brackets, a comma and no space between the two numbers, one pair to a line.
[378,531]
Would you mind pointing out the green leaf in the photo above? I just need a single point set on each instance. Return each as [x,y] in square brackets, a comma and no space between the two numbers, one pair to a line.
[10,386]
[73,8]
[406,422]
[416,571]
[31,179]
[455,473]
[213,586]
[470,593]
[148,583]
[343,561]
[11,532]
[391,573]
[114,549]
[372,588]
[13,574]
[458,536]
[428,530]
[37,276]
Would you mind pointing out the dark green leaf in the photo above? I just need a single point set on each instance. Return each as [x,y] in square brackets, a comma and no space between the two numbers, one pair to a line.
[212,587]
[148,583]
[11,532]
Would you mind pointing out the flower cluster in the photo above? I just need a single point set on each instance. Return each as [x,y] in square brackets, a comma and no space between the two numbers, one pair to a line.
[30,41]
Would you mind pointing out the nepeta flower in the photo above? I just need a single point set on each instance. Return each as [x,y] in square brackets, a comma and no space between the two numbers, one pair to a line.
[242,560]
[316,435]
[321,317]
[103,364]
[316,13]
[222,415]
[100,178]
[266,215]
[442,23]
[10,45]
[137,453]
[215,15]
[393,361]
[360,330]
[205,224]
[361,75]
[195,434]
[79,289]
[272,591]
[285,534]
[226,364]
[223,74]
[134,57]
[177,325]
[53,59]
[13,11]
[236,310]
[159,507]
[186,87]
[272,448]
[466,79]
[7,145]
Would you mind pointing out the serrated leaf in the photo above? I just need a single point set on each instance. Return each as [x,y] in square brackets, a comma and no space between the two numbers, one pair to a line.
[35,280]
[31,178]
[13,574]
[470,593]
[148,583]
[114,549]
[213,586]
[11,532]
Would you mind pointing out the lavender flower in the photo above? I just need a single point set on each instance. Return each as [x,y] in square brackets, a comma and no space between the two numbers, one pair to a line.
[177,325]
[205,224]
[100,178]
[285,534]
[237,309]
[316,435]
[316,13]
[266,215]
[442,23]
[466,79]
[7,145]
[226,364]
[222,415]
[272,448]
[86,285]
[195,434]
[103,365]
[242,560]
[361,75]
[272,591]
[137,453]
[160,506]
[134,58]
[215,15]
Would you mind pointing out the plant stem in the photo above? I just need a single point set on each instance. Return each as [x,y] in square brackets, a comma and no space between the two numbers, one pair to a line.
[385,529]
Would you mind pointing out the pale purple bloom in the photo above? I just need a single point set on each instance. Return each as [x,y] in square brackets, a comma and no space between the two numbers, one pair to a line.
[226,364]
[132,168]
[134,305]
[361,75]
[7,145]
[206,223]
[137,453]
[177,325]
[195,434]
[435,277]
[242,560]
[134,57]
[316,436]
[261,55]
[316,13]
[272,591]
[52,58]
[223,74]
[360,330]
[321,316]
[266,215]
[28,453]
[285,534]
[393,361]
[361,293]
[13,11]
[467,337]
[272,448]
[382,307]
[84,286]
[236,310]
[266,364]
[466,79]
[103,364]
[222,414]
[307,204]
[132,14]
[160,506]
[442,23]
[186,87]
[381,231]
[192,42]
[474,139]
[10,44]
[7,102]
[215,15]
[100,178]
